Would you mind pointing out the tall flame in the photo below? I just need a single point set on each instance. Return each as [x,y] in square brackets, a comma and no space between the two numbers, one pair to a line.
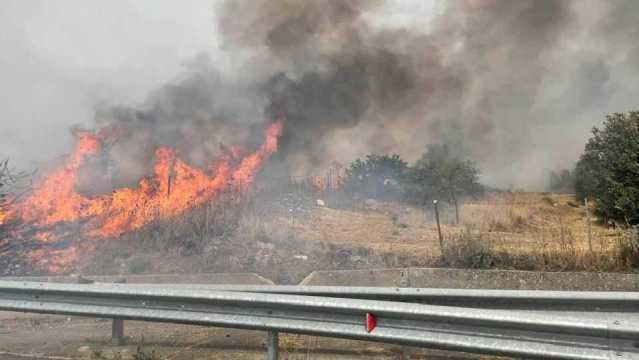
[174,187]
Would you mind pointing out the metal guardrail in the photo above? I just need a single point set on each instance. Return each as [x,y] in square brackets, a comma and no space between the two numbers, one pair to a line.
[531,334]
[599,301]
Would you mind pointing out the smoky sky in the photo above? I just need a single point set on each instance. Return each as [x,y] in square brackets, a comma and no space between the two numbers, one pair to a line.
[58,61]
[514,85]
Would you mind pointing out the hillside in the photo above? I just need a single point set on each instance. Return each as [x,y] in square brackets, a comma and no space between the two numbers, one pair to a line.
[286,238]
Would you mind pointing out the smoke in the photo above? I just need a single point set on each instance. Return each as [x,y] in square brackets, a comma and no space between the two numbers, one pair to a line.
[348,88]
[513,85]
[58,60]
[343,87]
[200,115]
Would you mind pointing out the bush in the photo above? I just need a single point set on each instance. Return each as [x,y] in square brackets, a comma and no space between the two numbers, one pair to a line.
[469,251]
[608,170]
[142,354]
[628,251]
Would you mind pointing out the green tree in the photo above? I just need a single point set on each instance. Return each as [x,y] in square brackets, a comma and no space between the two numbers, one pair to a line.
[438,174]
[608,170]
[377,176]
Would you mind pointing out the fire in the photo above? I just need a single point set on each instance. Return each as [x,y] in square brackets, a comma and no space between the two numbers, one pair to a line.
[55,200]
[173,188]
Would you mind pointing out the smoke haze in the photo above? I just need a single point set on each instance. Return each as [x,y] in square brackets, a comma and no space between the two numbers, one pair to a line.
[513,85]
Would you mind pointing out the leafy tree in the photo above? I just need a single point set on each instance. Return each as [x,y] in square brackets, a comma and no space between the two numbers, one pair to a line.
[608,170]
[377,176]
[438,174]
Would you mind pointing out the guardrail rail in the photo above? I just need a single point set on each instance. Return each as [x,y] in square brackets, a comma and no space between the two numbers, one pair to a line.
[546,334]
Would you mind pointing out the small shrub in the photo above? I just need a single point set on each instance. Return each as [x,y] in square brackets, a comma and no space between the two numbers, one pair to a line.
[518,222]
[395,220]
[141,354]
[96,353]
[139,265]
[572,204]
[628,250]
[498,225]
[548,200]
[469,251]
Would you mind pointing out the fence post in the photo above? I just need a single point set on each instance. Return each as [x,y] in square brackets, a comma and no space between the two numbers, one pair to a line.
[272,345]
[588,223]
[439,229]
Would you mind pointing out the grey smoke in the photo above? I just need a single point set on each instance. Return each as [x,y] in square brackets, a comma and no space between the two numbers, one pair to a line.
[514,85]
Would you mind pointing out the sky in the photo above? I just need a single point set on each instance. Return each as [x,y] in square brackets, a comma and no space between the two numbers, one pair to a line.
[58,59]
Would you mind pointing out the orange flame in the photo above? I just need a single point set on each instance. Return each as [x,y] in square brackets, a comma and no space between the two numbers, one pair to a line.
[174,187]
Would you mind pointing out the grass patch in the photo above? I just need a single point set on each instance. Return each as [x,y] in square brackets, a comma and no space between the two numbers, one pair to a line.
[142,354]
[473,250]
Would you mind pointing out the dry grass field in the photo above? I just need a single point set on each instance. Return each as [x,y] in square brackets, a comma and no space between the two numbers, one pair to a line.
[526,231]
[533,231]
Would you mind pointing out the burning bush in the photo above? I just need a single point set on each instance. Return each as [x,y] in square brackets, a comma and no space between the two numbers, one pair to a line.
[55,208]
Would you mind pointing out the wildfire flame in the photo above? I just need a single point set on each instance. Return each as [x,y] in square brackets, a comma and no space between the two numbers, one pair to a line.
[173,188]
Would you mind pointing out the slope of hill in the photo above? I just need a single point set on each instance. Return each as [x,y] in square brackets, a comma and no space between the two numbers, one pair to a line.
[285,239]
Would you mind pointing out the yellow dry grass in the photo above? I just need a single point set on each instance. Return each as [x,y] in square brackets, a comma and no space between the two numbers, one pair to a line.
[377,230]
[513,222]
[523,222]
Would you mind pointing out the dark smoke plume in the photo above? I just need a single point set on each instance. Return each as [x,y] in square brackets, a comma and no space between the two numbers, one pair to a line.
[348,84]
[514,85]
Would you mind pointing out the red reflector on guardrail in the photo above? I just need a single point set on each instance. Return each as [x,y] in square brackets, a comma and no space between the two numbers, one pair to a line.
[371,322]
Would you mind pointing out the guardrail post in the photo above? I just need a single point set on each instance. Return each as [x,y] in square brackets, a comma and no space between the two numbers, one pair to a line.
[273,345]
[117,332]
[117,326]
